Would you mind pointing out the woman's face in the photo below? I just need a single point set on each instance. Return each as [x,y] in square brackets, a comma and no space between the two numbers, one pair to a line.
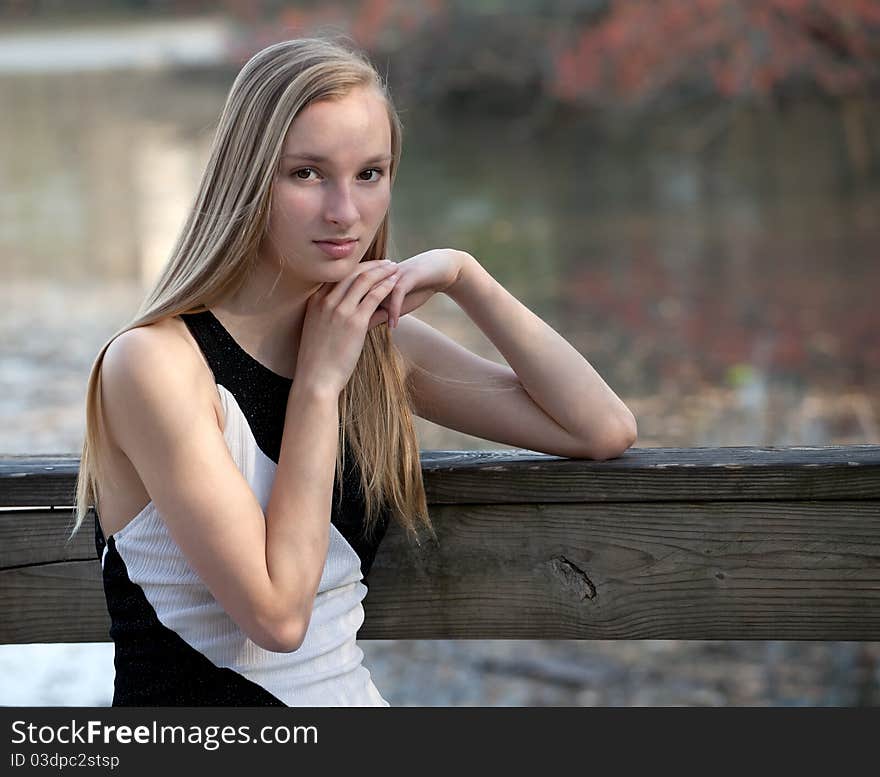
[333,182]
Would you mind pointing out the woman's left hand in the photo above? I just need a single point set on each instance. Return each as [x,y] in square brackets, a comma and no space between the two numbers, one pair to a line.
[421,277]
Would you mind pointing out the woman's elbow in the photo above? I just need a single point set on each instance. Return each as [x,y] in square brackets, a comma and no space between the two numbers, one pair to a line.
[286,637]
[615,444]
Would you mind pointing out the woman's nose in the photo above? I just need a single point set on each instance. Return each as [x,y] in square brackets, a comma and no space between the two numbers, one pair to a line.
[340,207]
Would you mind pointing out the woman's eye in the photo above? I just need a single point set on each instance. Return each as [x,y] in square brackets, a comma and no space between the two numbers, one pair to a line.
[303,170]
[377,170]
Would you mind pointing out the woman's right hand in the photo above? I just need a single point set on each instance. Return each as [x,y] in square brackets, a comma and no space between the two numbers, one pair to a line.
[338,316]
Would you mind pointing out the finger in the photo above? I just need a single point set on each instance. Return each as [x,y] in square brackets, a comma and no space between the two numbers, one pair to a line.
[351,290]
[360,269]
[380,316]
[393,306]
[373,269]
[376,295]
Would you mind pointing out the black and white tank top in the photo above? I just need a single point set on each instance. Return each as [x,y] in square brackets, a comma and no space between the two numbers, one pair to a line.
[174,644]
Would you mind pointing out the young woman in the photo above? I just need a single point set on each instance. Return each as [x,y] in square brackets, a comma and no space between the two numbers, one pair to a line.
[249,434]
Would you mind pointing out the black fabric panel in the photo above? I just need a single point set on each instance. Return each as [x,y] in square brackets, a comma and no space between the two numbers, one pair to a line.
[260,392]
[154,665]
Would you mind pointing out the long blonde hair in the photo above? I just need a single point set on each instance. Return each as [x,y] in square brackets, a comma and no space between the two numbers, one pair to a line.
[218,245]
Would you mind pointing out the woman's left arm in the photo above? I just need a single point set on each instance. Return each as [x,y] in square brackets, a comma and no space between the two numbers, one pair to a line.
[553,373]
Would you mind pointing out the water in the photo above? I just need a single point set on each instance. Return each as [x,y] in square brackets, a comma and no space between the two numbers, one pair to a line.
[721,285]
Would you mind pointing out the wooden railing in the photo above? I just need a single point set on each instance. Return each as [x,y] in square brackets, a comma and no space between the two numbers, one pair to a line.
[662,543]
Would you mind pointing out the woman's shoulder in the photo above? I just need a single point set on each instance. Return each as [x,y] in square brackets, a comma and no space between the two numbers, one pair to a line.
[156,348]
[157,371]
[157,361]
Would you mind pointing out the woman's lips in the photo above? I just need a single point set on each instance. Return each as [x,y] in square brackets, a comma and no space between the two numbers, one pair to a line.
[336,250]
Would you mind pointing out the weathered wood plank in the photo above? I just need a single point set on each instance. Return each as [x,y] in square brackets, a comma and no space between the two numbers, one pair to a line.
[849,472]
[62,602]
[685,571]
[688,570]
[29,537]
[38,481]
[655,474]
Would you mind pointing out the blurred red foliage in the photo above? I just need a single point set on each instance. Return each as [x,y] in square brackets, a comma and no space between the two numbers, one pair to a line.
[641,48]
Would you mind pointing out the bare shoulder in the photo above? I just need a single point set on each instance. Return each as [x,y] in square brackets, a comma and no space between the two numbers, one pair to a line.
[160,343]
[153,363]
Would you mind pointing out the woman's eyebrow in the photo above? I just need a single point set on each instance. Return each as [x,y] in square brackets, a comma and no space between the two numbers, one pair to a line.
[318,158]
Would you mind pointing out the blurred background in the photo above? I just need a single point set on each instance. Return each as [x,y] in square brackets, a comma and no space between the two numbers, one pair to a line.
[689,192]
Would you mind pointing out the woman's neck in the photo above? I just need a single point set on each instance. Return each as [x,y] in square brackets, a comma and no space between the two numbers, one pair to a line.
[266,317]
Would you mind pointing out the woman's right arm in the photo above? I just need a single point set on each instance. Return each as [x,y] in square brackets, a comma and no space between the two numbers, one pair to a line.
[298,512]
